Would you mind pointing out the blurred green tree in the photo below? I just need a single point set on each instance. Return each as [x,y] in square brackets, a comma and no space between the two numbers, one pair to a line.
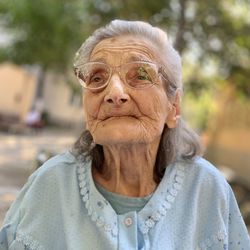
[44,33]
[209,29]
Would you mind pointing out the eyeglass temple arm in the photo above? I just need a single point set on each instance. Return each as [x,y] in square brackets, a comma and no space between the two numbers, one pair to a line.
[172,85]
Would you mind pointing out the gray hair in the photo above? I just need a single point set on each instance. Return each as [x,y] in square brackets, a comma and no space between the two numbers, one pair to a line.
[176,143]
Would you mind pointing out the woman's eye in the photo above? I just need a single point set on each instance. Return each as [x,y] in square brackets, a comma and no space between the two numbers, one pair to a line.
[96,79]
[142,74]
[143,77]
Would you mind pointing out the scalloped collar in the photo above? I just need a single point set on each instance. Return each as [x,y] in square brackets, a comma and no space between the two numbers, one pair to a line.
[155,210]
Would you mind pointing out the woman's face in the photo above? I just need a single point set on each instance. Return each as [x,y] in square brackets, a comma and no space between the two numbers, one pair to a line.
[119,114]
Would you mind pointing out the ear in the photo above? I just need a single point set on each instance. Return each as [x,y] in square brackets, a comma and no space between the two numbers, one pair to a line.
[174,110]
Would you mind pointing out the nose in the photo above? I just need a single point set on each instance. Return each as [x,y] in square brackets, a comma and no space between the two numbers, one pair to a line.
[116,92]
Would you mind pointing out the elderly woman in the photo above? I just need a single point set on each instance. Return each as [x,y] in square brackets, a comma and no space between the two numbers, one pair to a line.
[134,179]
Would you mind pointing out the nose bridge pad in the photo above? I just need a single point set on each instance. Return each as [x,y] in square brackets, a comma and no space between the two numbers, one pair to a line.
[117,71]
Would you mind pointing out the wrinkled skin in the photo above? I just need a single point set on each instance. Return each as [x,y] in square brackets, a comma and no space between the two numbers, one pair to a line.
[127,122]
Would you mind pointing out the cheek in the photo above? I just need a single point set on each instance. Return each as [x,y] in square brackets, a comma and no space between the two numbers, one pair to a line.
[91,106]
[155,106]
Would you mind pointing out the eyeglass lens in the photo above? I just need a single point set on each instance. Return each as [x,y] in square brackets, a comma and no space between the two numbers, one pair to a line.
[137,74]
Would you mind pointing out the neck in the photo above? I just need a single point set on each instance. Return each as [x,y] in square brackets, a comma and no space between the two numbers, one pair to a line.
[129,170]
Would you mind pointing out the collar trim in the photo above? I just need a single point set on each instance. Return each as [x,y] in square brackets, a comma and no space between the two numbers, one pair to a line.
[172,183]
[101,212]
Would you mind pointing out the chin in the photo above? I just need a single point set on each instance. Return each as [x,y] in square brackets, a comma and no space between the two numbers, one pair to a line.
[114,138]
[124,131]
[123,136]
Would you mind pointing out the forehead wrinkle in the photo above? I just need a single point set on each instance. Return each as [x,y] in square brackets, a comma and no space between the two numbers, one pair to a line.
[99,56]
[131,58]
[138,58]
[99,59]
[144,50]
[123,49]
[105,54]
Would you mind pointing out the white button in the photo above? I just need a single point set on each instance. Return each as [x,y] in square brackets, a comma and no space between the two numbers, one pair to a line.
[128,221]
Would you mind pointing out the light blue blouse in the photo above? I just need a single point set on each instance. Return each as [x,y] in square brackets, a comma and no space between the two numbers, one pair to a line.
[123,204]
[60,208]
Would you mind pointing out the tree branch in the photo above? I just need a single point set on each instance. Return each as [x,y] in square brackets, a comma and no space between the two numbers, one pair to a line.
[181,26]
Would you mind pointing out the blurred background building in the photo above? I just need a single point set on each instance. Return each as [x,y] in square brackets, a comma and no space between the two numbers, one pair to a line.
[19,88]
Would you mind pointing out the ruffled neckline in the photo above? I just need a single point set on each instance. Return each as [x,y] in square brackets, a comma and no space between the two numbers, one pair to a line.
[103,215]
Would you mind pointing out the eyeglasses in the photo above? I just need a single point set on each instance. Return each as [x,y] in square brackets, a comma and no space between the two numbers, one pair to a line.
[137,74]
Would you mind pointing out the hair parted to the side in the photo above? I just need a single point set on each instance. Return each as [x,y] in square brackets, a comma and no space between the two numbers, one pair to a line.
[176,143]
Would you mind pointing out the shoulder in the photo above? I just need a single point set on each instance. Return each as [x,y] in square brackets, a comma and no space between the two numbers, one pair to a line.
[53,191]
[48,185]
[203,170]
[54,176]
[60,165]
[62,160]
[206,181]
[206,191]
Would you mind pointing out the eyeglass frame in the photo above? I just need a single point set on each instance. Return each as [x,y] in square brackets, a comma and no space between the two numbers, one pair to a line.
[113,70]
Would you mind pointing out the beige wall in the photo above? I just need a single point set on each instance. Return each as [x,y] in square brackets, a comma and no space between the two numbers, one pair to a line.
[57,99]
[17,88]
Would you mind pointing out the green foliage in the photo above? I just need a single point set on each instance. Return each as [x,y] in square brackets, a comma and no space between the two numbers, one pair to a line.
[211,29]
[45,32]
[222,33]
[104,11]
[199,110]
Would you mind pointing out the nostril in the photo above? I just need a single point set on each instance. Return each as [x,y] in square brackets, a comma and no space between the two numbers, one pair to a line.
[123,100]
[110,100]
[116,100]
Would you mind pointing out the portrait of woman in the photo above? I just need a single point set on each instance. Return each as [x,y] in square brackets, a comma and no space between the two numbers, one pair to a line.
[135,178]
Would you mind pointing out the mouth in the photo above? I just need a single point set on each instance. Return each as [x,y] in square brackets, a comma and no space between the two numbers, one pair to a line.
[119,117]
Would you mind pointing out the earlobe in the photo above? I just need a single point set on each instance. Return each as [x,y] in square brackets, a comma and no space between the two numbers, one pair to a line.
[173,117]
[175,111]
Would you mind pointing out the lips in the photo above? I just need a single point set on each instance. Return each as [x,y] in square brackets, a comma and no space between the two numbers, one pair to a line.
[117,113]
[118,116]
